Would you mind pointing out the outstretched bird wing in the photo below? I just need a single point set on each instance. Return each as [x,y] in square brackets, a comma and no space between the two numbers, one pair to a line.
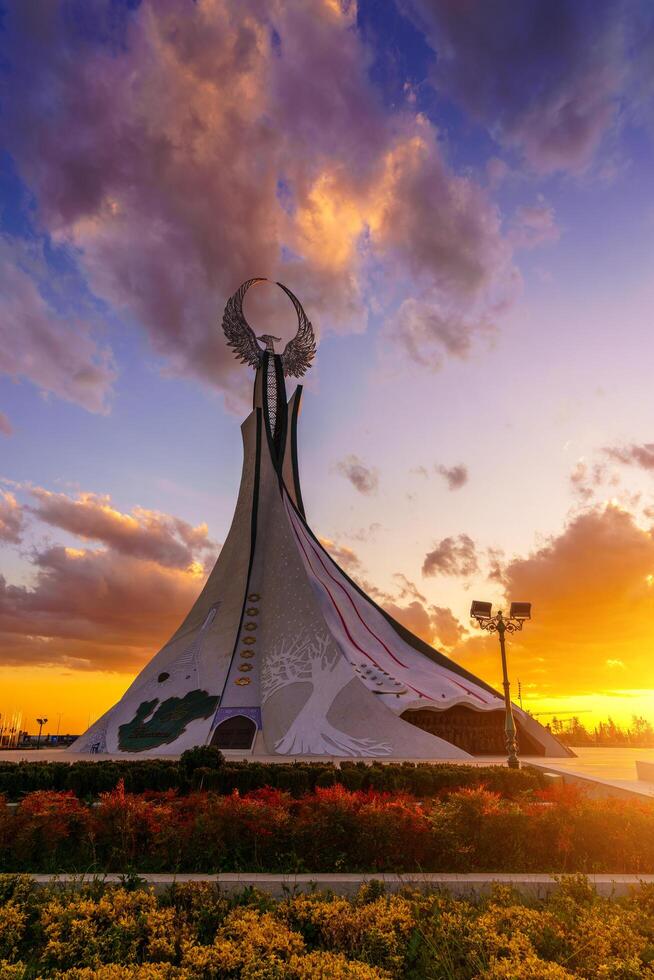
[299,352]
[240,335]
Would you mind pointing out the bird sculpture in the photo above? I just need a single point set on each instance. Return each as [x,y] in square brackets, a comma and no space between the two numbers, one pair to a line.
[298,353]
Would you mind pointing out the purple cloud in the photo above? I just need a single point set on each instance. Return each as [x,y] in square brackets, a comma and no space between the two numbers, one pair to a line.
[635,455]
[544,78]
[57,354]
[452,556]
[455,476]
[363,478]
[160,161]
[534,225]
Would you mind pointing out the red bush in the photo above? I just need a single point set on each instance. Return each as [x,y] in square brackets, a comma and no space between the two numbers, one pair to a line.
[49,828]
[332,829]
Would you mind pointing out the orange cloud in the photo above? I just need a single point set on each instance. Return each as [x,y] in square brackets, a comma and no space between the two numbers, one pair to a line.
[146,534]
[593,608]
[11,518]
[343,555]
[101,609]
[93,610]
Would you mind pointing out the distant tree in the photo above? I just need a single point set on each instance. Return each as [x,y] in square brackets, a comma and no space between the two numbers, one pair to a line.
[606,734]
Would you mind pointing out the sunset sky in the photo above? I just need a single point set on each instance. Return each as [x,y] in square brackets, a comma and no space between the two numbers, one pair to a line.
[460,192]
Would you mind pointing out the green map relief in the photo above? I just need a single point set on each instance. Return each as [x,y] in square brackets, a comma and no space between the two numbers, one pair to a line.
[167,723]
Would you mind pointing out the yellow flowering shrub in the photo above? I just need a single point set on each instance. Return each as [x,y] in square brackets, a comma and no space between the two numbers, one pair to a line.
[121,926]
[526,968]
[250,944]
[375,932]
[147,971]
[12,971]
[332,966]
[13,922]
[113,933]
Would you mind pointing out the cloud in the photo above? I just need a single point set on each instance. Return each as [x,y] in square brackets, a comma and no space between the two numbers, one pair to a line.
[147,534]
[587,478]
[11,518]
[101,608]
[455,476]
[363,478]
[591,591]
[436,625]
[6,428]
[545,81]
[405,587]
[365,533]
[93,610]
[344,556]
[447,627]
[452,556]
[56,353]
[188,147]
[634,455]
[534,225]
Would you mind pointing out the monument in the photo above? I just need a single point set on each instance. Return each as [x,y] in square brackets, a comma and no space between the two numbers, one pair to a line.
[282,654]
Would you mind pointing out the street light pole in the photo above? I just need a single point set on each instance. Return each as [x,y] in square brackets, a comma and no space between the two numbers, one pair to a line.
[41,723]
[519,612]
[510,739]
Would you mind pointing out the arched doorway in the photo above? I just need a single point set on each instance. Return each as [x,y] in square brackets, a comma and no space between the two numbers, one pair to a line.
[236,732]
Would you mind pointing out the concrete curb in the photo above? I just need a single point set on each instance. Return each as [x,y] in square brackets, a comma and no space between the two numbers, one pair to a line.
[280,885]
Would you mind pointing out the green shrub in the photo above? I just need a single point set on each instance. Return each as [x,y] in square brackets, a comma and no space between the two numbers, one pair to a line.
[201,757]
[204,767]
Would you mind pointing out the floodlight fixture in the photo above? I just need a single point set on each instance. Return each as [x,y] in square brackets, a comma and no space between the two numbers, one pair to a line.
[520,610]
[481,610]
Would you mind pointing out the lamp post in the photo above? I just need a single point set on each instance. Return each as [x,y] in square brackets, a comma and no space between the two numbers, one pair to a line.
[518,613]
[41,722]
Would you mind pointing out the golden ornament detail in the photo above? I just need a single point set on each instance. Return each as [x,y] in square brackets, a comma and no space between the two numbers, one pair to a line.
[252,611]
[242,681]
[254,597]
[249,639]
[250,626]
[247,653]
[245,667]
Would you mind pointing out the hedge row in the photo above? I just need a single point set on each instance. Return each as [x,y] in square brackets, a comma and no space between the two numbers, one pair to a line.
[330,830]
[105,933]
[205,769]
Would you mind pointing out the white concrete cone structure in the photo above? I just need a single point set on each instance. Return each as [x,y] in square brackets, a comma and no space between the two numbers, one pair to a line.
[283,654]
